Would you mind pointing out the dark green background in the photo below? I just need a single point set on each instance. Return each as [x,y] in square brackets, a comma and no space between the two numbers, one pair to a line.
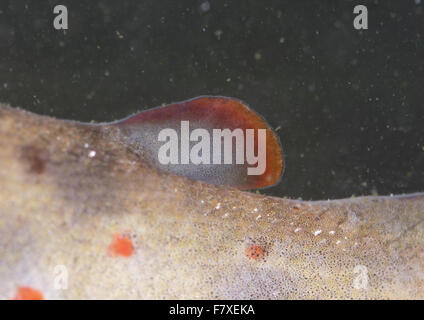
[349,103]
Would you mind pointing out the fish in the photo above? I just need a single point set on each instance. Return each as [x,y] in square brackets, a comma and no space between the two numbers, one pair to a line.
[86,213]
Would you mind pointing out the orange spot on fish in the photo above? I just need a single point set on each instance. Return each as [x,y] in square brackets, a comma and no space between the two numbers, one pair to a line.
[121,246]
[255,252]
[27,293]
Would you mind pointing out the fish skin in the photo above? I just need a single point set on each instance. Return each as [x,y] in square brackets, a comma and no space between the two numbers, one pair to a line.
[58,206]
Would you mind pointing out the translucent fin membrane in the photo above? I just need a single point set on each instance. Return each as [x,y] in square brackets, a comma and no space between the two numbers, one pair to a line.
[189,138]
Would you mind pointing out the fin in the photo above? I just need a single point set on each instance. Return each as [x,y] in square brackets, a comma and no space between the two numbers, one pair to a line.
[167,138]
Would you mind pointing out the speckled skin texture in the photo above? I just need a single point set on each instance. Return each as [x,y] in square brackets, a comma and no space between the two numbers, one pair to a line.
[59,206]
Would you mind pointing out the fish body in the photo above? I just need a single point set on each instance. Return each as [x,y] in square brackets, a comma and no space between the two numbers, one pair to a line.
[83,216]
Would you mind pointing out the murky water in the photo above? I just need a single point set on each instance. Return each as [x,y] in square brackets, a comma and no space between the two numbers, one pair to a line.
[346,103]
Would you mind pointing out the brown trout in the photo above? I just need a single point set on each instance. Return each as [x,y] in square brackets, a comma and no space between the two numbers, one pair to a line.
[86,214]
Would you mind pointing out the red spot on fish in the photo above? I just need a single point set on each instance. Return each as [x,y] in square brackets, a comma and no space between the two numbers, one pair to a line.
[121,246]
[27,293]
[255,252]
